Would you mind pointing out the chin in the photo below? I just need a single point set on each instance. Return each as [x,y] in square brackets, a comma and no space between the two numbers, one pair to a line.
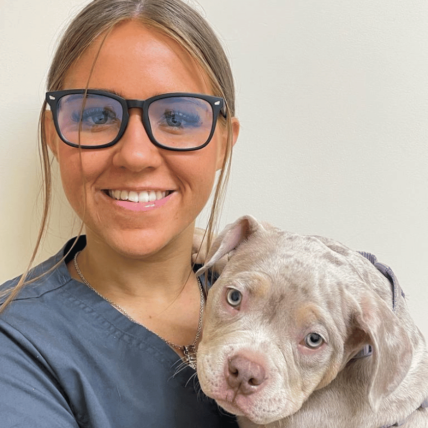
[140,244]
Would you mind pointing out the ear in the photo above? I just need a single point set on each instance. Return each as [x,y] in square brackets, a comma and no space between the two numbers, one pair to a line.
[50,133]
[236,126]
[235,133]
[392,349]
[229,239]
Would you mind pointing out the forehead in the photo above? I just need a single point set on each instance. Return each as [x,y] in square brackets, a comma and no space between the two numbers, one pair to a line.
[296,265]
[137,61]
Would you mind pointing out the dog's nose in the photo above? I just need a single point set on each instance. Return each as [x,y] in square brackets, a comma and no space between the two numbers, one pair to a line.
[245,375]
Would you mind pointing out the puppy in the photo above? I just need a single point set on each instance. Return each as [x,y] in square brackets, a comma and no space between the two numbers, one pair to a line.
[300,332]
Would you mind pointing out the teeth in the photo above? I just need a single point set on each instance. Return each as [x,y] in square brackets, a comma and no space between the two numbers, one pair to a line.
[132,196]
[143,196]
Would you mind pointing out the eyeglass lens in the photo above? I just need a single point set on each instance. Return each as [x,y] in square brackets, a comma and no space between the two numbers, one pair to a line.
[176,122]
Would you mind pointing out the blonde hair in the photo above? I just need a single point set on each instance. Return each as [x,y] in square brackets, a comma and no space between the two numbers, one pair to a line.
[173,18]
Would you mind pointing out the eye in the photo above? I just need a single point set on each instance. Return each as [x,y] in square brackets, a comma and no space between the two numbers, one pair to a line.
[181,119]
[95,116]
[234,297]
[313,340]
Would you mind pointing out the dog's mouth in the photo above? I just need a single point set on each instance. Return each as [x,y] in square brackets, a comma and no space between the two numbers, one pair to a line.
[244,407]
[256,407]
[231,407]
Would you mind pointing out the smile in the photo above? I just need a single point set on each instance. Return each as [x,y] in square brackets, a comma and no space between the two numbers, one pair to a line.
[137,197]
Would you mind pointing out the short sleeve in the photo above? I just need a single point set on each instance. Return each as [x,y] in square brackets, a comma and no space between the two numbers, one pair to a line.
[30,395]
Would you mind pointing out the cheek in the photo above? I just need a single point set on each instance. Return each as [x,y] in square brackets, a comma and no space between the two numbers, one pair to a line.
[72,179]
[77,172]
[196,171]
[203,178]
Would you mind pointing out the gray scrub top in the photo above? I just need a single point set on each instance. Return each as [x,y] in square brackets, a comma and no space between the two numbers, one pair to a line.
[69,359]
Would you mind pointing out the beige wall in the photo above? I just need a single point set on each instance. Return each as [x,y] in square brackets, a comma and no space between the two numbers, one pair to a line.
[333,100]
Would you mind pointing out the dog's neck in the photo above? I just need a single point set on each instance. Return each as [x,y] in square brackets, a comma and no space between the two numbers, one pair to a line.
[424,405]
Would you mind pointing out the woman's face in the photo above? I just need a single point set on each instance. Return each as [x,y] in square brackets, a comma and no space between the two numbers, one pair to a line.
[136,62]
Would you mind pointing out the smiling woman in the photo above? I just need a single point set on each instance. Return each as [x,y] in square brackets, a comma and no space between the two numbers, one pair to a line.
[139,115]
[134,163]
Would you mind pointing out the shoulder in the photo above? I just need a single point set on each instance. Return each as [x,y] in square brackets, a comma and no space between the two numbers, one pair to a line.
[33,350]
[45,277]
[42,302]
[36,321]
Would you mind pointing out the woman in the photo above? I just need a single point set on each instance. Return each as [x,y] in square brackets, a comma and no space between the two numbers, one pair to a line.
[139,115]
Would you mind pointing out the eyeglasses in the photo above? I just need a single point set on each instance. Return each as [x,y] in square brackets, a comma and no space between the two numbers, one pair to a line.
[96,119]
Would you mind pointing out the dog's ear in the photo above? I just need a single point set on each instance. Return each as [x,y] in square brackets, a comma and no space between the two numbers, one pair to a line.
[230,238]
[392,348]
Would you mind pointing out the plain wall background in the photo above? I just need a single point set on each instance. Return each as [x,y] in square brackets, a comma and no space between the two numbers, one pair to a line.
[333,102]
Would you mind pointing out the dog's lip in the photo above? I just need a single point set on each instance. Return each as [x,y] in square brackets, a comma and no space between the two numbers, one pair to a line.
[230,406]
[245,408]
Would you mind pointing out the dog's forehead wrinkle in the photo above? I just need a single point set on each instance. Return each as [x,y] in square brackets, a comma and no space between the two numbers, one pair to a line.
[275,252]
[312,276]
[254,282]
[332,259]
[333,245]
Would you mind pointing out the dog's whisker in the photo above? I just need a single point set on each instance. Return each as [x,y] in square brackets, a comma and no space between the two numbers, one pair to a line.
[194,376]
[179,361]
[199,393]
[181,365]
[178,371]
[196,384]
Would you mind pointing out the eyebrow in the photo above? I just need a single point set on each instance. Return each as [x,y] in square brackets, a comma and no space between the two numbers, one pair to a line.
[72,97]
[111,91]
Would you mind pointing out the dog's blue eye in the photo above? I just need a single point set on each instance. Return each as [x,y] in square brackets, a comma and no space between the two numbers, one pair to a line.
[313,340]
[234,297]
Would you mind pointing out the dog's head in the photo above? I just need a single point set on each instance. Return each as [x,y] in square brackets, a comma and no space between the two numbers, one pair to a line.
[287,315]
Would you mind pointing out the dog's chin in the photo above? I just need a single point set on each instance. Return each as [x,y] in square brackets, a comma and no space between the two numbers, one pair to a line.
[243,409]
[231,408]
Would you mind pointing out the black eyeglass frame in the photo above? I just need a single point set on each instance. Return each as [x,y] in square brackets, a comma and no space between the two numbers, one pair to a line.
[217,104]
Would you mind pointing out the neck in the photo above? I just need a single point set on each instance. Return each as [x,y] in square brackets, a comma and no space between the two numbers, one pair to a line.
[121,276]
[157,288]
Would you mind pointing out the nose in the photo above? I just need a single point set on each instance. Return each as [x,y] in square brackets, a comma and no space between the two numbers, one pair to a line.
[245,376]
[135,151]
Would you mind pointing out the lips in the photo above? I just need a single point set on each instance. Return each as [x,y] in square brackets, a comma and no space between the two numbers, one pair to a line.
[140,201]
